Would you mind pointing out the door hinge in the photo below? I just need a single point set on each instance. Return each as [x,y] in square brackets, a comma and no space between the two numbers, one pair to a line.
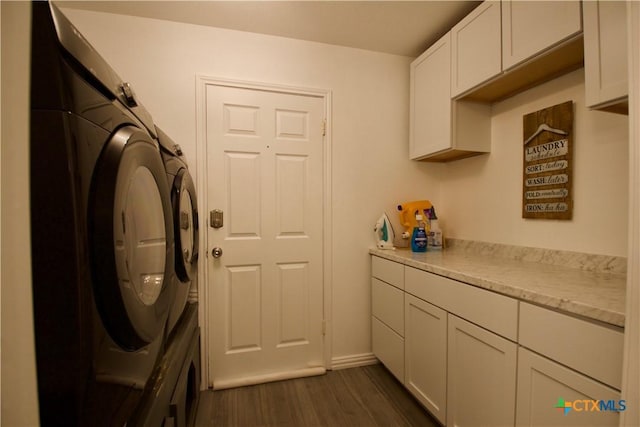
[324,127]
[324,327]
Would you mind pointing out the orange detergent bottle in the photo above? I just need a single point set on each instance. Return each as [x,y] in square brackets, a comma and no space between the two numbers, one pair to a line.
[408,212]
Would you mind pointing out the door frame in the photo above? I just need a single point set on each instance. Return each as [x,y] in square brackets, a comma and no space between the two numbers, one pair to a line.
[204,315]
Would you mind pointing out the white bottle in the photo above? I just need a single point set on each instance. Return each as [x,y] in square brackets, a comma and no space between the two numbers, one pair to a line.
[436,235]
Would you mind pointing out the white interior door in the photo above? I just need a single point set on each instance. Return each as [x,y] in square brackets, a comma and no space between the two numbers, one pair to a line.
[265,173]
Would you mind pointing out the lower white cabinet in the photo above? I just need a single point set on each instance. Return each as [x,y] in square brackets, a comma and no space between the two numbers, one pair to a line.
[426,354]
[481,371]
[545,388]
[388,347]
[593,349]
[387,322]
[459,350]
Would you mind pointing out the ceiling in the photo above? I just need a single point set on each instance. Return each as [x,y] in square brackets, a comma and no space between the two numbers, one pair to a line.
[397,27]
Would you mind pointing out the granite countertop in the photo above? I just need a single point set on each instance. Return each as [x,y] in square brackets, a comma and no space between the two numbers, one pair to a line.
[592,286]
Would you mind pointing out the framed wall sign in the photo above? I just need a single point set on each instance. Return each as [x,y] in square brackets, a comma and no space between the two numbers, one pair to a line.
[548,163]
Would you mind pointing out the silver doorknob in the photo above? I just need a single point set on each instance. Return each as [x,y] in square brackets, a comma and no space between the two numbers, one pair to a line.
[216,252]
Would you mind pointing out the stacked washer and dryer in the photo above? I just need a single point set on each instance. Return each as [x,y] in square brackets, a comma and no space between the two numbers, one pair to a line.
[114,234]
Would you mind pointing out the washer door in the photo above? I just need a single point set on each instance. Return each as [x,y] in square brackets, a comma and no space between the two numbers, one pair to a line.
[185,214]
[131,238]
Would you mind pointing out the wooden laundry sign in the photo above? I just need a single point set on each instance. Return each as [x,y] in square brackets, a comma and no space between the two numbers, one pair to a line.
[548,163]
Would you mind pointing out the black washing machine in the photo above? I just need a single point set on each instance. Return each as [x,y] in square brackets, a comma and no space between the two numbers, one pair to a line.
[175,385]
[102,233]
[185,224]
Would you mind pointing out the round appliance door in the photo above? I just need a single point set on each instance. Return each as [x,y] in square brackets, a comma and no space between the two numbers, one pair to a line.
[131,239]
[185,214]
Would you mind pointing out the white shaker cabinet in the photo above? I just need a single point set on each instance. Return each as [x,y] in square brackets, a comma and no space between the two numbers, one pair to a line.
[531,27]
[426,354]
[605,55]
[387,314]
[481,372]
[575,360]
[442,129]
[541,385]
[475,357]
[476,48]
[592,348]
[430,108]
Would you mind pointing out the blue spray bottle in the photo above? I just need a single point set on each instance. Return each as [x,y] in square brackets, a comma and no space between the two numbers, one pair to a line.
[419,236]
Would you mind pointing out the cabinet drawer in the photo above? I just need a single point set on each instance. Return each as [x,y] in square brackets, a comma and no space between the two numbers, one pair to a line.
[388,347]
[492,311]
[388,271]
[387,304]
[590,348]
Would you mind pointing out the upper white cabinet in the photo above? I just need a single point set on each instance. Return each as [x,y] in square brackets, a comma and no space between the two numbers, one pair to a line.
[498,36]
[498,50]
[476,53]
[605,55]
[430,108]
[442,129]
[531,27]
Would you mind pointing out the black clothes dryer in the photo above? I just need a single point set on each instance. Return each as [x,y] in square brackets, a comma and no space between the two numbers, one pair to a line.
[101,230]
[185,224]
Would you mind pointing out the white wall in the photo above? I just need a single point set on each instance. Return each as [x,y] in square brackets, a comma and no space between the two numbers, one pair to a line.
[482,196]
[19,392]
[370,167]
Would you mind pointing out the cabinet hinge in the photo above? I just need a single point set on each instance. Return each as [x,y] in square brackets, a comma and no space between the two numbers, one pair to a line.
[324,327]
[324,127]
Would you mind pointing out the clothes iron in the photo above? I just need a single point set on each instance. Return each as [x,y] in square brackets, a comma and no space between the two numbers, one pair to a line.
[384,233]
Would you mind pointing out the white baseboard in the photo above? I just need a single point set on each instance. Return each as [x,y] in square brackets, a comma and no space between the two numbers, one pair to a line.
[353,361]
[261,379]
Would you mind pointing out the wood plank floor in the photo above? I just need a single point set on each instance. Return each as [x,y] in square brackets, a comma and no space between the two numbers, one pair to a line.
[364,396]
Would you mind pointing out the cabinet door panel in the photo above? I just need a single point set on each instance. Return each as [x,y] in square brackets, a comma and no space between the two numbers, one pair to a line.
[530,27]
[430,108]
[481,371]
[605,51]
[542,382]
[476,48]
[425,354]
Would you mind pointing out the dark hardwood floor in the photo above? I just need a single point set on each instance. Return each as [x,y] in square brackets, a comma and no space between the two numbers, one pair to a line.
[364,396]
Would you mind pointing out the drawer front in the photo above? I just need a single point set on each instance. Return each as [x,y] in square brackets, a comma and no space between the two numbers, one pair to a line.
[387,304]
[490,310]
[388,347]
[590,348]
[388,271]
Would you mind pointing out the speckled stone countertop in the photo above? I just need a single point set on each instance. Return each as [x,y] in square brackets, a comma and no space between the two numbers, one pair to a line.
[588,285]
